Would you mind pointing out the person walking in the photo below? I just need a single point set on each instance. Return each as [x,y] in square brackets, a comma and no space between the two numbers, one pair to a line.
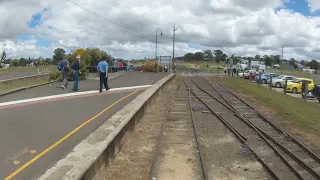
[103,73]
[76,67]
[65,73]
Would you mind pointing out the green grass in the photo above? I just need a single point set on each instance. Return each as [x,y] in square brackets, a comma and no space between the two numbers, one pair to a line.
[315,77]
[303,115]
[28,69]
[6,87]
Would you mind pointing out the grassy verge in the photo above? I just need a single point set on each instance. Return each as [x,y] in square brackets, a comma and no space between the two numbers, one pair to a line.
[28,69]
[32,82]
[304,116]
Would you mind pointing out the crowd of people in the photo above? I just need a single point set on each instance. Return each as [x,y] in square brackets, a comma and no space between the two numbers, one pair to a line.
[102,68]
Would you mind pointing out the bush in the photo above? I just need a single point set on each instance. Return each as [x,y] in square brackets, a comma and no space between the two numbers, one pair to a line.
[57,75]
[139,68]
[150,67]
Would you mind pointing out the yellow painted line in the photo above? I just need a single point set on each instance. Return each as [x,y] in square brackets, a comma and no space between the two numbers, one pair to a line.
[16,172]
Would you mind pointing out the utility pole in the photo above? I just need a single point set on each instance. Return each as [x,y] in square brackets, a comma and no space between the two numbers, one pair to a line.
[281,58]
[173,38]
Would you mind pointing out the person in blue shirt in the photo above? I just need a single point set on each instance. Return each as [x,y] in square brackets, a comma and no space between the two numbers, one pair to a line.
[76,67]
[103,73]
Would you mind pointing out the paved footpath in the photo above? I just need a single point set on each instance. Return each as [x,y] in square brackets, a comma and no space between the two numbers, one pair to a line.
[36,133]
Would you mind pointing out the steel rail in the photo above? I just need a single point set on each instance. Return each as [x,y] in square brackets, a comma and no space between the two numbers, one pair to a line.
[159,140]
[204,172]
[283,148]
[237,133]
[245,120]
[316,157]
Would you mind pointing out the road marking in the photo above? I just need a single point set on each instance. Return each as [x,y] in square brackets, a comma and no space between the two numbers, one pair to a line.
[16,172]
[33,151]
[67,95]
[18,154]
[16,162]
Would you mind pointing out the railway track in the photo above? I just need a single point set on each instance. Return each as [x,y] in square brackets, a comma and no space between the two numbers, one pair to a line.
[178,143]
[280,153]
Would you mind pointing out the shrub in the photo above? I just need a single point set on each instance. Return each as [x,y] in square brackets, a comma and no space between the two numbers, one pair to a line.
[150,67]
[139,68]
[57,75]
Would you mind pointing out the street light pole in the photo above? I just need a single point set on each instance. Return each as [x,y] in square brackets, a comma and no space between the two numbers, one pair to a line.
[174,34]
[281,58]
[155,65]
[157,41]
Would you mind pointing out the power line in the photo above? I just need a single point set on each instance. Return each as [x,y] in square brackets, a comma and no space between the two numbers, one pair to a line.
[102,17]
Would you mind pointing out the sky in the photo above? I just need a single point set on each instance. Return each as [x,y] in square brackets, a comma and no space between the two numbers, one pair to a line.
[127,28]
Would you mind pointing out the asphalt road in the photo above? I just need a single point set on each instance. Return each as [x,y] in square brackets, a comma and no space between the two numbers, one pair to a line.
[127,79]
[26,131]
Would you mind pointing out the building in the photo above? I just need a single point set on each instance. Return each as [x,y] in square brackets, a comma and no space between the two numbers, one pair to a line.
[308,70]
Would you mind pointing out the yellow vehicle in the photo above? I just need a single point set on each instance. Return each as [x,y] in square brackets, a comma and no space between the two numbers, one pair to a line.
[295,85]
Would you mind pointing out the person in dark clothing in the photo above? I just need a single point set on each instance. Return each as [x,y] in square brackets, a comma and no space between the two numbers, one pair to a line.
[103,73]
[65,73]
[316,92]
[303,89]
[76,67]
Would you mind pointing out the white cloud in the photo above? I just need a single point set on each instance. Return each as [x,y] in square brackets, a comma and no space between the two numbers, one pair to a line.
[240,27]
[314,5]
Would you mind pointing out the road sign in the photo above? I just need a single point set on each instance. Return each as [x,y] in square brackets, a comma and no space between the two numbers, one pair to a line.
[79,51]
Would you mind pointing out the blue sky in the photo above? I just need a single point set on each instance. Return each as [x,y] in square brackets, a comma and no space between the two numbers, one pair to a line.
[33,23]
[300,6]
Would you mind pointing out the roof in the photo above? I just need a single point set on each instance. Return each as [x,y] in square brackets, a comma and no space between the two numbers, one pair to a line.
[305,79]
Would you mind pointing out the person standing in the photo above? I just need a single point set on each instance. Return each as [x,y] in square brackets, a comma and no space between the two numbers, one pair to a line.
[103,73]
[76,67]
[65,73]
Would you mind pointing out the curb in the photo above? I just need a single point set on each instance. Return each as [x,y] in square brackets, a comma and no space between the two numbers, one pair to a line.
[29,87]
[92,155]
[118,74]
[24,88]
[23,77]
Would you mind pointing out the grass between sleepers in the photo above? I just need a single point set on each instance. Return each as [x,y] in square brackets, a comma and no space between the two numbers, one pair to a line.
[302,114]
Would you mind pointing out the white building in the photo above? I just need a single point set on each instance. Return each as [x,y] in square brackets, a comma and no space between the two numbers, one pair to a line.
[243,64]
[311,71]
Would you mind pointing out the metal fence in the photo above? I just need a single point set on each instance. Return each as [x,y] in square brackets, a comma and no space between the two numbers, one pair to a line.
[165,60]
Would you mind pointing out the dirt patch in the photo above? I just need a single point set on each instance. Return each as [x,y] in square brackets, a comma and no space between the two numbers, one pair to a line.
[135,158]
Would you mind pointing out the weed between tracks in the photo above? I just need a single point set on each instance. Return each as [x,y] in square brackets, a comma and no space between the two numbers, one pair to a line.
[300,117]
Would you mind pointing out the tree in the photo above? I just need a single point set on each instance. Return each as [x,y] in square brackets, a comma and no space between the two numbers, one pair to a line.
[267,60]
[208,55]
[58,55]
[277,59]
[293,63]
[218,53]
[14,62]
[224,57]
[198,56]
[189,56]
[3,56]
[314,65]
[302,62]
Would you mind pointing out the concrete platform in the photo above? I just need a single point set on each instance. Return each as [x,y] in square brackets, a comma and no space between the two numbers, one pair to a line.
[35,136]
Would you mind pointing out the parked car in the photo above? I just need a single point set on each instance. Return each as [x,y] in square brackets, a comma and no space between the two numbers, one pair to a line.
[295,85]
[251,75]
[265,77]
[279,81]
[245,73]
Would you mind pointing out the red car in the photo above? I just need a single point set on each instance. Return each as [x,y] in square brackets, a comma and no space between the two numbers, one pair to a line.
[252,75]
